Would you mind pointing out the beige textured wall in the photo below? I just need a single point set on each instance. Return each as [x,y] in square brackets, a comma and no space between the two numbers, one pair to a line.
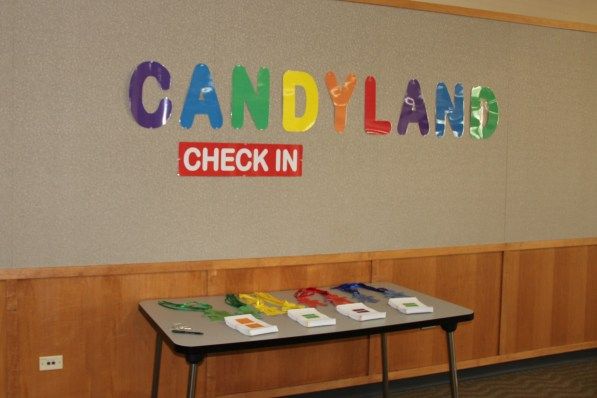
[87,185]
[552,145]
[584,11]
[6,134]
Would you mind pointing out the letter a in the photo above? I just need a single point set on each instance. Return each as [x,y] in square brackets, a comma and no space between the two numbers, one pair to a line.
[201,99]
[413,109]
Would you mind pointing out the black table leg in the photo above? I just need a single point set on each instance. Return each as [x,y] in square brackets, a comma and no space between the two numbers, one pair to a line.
[449,329]
[192,380]
[384,365]
[157,360]
[194,361]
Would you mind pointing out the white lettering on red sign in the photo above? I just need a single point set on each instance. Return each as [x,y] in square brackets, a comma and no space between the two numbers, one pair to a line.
[212,159]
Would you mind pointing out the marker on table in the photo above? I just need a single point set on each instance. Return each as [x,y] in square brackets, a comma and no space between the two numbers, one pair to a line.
[186,331]
[180,328]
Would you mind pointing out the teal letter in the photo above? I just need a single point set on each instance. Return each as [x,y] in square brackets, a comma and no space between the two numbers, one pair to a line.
[444,107]
[201,99]
[257,101]
[485,112]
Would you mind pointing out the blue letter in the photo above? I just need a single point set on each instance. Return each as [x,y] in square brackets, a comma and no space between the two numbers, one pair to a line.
[444,107]
[201,99]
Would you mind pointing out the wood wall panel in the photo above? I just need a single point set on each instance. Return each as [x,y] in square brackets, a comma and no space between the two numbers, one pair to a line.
[95,324]
[283,278]
[547,306]
[11,332]
[3,352]
[274,368]
[591,300]
[471,280]
[549,298]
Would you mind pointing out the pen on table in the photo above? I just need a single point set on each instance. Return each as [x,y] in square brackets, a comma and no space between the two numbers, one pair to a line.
[186,331]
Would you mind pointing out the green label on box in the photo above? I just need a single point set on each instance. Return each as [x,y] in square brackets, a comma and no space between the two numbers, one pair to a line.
[311,316]
[411,305]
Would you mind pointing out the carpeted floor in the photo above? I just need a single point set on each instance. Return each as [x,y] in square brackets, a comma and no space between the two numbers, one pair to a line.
[564,376]
[567,380]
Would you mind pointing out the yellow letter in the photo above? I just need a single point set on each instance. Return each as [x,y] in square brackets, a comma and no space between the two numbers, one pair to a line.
[290,121]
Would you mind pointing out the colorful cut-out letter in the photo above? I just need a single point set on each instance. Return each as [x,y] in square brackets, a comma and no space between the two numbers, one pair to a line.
[201,99]
[373,126]
[290,121]
[485,112]
[453,110]
[162,113]
[257,100]
[413,109]
[340,97]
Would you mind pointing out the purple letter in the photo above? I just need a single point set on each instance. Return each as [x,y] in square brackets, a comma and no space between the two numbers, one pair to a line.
[161,115]
[413,109]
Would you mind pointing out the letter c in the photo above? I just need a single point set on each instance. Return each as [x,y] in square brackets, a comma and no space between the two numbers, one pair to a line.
[162,113]
[187,159]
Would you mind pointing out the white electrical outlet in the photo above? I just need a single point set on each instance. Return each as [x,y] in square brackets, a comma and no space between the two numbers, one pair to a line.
[53,362]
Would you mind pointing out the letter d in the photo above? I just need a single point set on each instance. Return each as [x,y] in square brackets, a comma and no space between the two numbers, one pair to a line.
[290,121]
[485,112]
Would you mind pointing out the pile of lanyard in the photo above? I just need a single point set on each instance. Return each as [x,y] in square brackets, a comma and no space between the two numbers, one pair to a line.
[242,308]
[353,288]
[264,303]
[206,309]
[303,297]
[274,305]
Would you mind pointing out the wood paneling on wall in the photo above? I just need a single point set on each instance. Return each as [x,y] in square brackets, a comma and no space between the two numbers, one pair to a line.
[529,300]
[294,277]
[471,280]
[95,324]
[549,298]
[3,351]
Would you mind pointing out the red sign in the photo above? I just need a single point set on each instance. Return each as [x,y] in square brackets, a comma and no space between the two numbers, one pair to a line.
[229,159]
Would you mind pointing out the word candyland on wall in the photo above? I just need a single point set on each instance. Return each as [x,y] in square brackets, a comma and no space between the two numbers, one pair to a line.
[202,100]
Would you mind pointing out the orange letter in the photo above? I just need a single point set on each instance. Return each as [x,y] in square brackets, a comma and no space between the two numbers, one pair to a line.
[340,97]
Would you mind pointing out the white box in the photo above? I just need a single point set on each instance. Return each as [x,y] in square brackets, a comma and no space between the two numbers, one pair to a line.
[409,305]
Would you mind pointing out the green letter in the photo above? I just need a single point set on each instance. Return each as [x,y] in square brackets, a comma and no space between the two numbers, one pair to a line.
[485,112]
[257,102]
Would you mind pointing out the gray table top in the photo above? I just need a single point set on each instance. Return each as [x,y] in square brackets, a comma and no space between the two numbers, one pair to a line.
[217,336]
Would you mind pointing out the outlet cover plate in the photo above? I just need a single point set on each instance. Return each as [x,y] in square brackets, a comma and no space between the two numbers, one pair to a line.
[53,362]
